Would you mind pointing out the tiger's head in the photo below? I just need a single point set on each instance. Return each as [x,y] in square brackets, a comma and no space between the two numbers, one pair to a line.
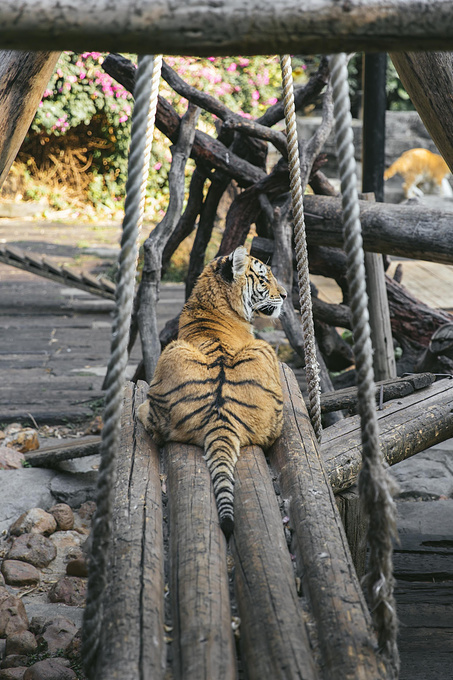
[252,288]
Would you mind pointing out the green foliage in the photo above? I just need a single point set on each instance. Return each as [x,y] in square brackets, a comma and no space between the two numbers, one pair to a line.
[397,97]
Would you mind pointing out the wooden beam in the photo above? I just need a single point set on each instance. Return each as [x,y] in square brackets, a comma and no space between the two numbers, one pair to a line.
[405,231]
[227,27]
[272,646]
[132,642]
[23,79]
[346,640]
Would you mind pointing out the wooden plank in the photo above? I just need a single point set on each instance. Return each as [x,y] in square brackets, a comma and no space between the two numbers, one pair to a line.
[346,641]
[65,451]
[132,642]
[355,526]
[228,28]
[274,642]
[203,639]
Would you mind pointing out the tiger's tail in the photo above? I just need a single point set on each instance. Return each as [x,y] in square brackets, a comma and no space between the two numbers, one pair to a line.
[221,451]
[392,170]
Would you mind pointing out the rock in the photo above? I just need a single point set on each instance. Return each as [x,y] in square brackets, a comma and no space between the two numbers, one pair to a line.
[35,549]
[34,521]
[46,611]
[68,548]
[21,490]
[10,459]
[87,510]
[23,440]
[77,567]
[49,669]
[74,489]
[12,673]
[70,590]
[18,573]
[426,476]
[22,642]
[14,661]
[63,516]
[13,616]
[57,634]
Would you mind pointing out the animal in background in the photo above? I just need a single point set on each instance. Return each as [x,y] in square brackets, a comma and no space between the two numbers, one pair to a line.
[217,386]
[423,172]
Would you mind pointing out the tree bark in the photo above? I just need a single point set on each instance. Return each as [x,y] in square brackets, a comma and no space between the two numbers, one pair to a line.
[228,27]
[23,79]
[428,79]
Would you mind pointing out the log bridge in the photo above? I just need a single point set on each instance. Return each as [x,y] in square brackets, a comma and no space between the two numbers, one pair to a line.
[181,603]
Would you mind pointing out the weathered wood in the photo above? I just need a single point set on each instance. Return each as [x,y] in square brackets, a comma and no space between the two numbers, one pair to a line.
[346,641]
[274,642]
[405,231]
[378,309]
[64,451]
[385,390]
[23,79]
[428,79]
[355,526]
[223,28]
[203,640]
[406,427]
[132,642]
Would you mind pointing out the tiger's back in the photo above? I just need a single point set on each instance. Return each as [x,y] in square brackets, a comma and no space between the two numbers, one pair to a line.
[216,386]
[421,168]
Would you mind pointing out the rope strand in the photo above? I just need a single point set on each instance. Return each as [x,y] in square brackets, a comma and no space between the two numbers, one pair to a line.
[297,191]
[146,90]
[374,488]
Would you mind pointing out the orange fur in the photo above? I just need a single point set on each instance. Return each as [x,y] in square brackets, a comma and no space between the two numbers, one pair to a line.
[423,172]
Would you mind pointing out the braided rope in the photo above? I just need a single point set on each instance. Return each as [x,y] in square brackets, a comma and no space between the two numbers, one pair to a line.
[297,191]
[373,484]
[146,91]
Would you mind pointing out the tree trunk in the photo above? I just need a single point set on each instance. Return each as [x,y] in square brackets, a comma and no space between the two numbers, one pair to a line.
[228,27]
[23,79]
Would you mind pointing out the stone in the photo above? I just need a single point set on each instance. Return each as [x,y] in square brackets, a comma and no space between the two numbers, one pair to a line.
[426,476]
[45,611]
[35,549]
[77,567]
[13,673]
[68,548]
[14,661]
[34,521]
[13,616]
[10,459]
[22,642]
[18,573]
[24,440]
[71,590]
[87,510]
[21,490]
[57,634]
[49,669]
[64,516]
[74,489]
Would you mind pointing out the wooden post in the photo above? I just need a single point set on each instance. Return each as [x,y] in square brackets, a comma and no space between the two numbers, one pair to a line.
[274,642]
[132,643]
[23,79]
[203,638]
[346,640]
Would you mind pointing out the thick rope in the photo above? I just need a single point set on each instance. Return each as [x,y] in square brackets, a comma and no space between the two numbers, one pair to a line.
[297,192]
[146,90]
[374,488]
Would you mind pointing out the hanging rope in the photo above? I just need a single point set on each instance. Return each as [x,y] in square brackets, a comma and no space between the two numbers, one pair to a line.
[373,483]
[146,91]
[297,192]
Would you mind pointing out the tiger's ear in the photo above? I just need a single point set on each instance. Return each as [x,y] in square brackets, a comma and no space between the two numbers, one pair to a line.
[239,259]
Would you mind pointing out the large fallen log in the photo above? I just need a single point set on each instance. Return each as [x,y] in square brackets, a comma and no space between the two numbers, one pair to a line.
[227,27]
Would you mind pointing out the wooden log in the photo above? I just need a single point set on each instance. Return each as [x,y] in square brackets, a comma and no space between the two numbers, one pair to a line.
[355,526]
[385,390]
[23,79]
[405,231]
[224,28]
[274,642]
[132,643]
[346,641]
[428,79]
[64,451]
[406,427]
[203,638]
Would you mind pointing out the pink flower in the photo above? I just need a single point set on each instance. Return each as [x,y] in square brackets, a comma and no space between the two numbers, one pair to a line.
[123,119]
[272,100]
[211,58]
[243,62]
[158,166]
[232,67]
[255,95]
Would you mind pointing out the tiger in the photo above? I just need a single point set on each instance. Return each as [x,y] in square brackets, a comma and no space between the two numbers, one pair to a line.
[216,385]
[422,171]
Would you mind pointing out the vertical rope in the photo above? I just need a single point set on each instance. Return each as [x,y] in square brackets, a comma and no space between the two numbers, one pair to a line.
[373,483]
[146,91]
[297,191]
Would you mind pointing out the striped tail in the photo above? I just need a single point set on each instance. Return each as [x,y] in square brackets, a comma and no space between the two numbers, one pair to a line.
[221,451]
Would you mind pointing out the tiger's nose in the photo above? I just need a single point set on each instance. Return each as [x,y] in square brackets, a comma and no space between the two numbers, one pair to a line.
[283,293]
